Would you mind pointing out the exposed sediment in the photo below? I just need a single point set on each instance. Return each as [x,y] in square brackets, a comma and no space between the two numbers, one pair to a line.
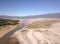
[39,36]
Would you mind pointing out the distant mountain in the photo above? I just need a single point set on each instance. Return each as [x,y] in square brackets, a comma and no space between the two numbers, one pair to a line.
[6,16]
[50,15]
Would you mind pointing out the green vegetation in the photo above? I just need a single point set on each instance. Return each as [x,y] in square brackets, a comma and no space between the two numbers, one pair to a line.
[4,22]
[7,25]
[44,24]
[38,25]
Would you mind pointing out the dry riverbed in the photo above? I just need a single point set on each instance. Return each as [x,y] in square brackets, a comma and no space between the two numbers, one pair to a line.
[5,29]
[39,36]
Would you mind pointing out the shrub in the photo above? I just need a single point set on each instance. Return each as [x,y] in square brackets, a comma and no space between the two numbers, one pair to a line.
[4,22]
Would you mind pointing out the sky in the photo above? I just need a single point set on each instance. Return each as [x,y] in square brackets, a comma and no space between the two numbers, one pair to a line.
[28,7]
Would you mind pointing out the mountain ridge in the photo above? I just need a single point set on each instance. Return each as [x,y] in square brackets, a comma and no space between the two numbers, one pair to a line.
[49,15]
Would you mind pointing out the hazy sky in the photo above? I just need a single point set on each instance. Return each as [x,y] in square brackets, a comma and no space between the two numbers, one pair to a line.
[28,7]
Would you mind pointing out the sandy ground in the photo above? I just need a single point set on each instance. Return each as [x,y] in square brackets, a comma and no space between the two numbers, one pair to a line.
[39,36]
[34,36]
[7,29]
[29,21]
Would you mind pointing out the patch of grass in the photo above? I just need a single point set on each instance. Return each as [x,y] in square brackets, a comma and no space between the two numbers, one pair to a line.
[44,24]
[38,25]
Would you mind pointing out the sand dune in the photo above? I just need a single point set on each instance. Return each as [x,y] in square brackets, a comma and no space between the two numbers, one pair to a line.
[39,36]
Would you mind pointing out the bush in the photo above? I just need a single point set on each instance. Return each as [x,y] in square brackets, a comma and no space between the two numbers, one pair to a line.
[4,22]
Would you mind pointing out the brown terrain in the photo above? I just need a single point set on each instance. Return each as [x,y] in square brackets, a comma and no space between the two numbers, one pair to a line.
[45,34]
[39,35]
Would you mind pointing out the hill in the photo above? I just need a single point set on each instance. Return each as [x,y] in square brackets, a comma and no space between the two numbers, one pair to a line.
[50,15]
